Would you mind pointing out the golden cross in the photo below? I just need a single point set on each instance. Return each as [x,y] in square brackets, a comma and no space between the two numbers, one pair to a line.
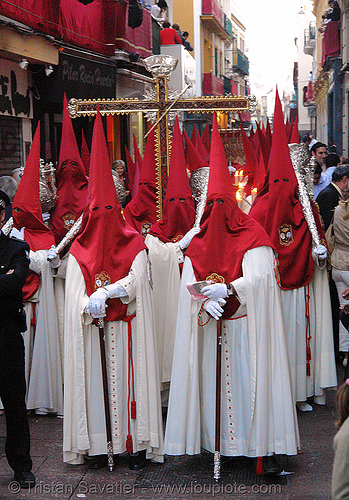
[160,67]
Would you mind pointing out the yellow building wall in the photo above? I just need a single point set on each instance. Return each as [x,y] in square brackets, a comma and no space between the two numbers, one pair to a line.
[207,51]
[319,7]
[184,16]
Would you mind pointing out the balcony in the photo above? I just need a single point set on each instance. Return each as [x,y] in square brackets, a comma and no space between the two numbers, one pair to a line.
[310,40]
[212,85]
[228,26]
[240,62]
[212,18]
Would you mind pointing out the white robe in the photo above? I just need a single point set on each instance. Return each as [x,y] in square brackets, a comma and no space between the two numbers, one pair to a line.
[84,421]
[322,364]
[258,415]
[59,288]
[43,366]
[165,259]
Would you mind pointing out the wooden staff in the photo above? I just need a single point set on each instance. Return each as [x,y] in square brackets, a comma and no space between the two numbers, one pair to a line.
[106,395]
[217,453]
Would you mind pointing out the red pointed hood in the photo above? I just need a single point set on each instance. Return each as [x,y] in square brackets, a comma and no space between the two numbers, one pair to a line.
[288,129]
[226,232]
[26,208]
[206,138]
[141,211]
[265,147]
[131,170]
[107,244]
[71,181]
[268,133]
[201,148]
[295,134]
[281,213]
[178,211]
[251,163]
[138,163]
[193,135]
[193,158]
[85,154]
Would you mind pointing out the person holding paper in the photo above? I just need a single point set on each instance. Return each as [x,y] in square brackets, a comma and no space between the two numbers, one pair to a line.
[258,416]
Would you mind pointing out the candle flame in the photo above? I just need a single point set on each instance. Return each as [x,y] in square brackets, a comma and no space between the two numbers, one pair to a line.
[238,196]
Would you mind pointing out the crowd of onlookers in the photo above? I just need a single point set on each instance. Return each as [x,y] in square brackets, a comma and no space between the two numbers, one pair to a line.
[169,35]
[331,192]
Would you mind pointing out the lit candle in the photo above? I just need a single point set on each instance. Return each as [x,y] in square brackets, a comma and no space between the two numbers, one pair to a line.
[238,197]
[254,194]
[236,175]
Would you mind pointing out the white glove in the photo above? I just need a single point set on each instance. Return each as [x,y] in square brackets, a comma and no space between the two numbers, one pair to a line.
[46,216]
[53,257]
[321,252]
[184,242]
[96,303]
[215,291]
[17,234]
[213,307]
[115,291]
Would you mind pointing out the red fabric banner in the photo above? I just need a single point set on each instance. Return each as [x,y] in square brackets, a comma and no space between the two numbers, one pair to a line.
[38,14]
[91,26]
[138,40]
[330,41]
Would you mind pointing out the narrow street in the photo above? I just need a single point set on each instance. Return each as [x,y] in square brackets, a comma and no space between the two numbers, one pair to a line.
[179,477]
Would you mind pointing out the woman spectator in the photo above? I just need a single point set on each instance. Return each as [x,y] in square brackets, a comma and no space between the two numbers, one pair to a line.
[168,36]
[119,167]
[340,265]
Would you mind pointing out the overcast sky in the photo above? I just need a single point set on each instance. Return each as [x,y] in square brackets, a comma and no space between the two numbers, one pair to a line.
[271,27]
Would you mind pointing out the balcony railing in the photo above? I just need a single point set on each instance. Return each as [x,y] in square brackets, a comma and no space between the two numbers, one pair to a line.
[240,61]
[212,8]
[228,26]
[212,85]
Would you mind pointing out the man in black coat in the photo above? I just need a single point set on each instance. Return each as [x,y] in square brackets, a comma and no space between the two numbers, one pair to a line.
[14,265]
[329,197]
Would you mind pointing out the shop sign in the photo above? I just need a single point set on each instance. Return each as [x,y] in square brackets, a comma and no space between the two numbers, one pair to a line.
[15,97]
[86,79]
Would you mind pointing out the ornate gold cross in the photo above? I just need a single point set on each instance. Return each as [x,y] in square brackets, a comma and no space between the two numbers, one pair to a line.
[158,107]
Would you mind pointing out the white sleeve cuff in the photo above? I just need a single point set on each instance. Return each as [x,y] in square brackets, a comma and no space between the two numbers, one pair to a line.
[240,289]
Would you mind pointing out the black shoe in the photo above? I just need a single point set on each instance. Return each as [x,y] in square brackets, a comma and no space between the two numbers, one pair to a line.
[24,479]
[270,466]
[99,462]
[137,461]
